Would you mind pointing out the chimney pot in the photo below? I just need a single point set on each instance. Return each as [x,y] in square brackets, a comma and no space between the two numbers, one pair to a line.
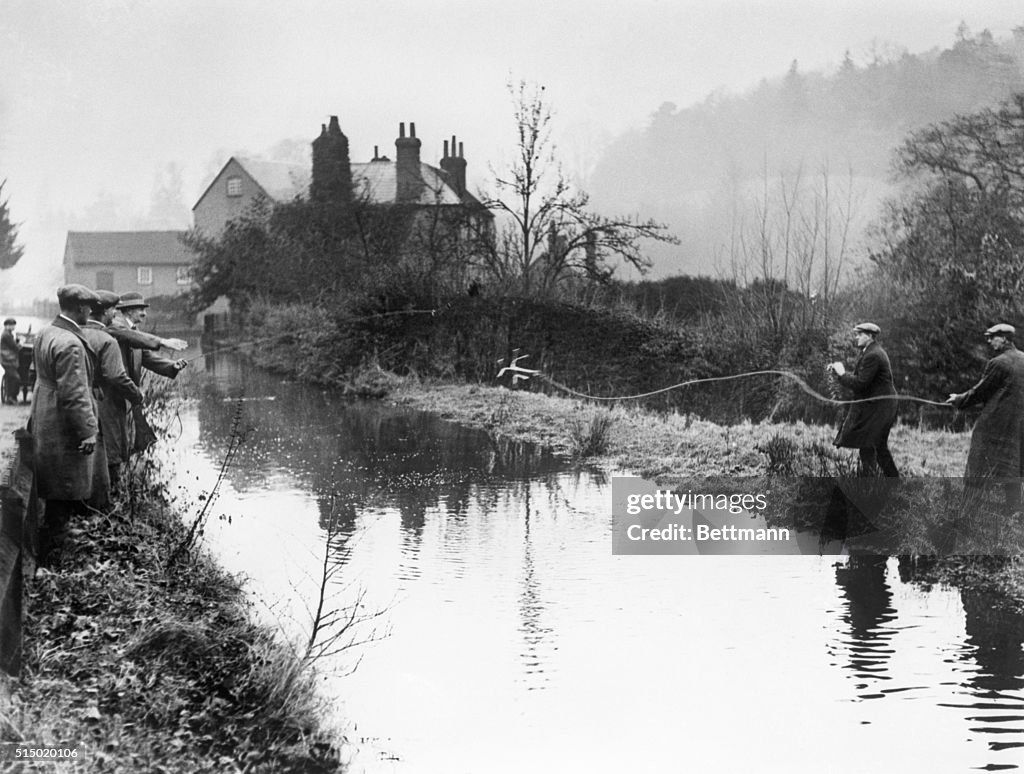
[445,149]
[460,151]
[409,178]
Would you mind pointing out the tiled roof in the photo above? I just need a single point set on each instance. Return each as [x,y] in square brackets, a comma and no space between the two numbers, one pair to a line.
[281,180]
[126,247]
[377,180]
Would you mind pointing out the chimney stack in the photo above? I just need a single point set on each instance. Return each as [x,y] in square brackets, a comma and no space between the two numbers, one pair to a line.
[455,166]
[408,177]
[332,172]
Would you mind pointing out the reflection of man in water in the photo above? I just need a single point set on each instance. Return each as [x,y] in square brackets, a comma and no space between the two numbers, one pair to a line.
[10,359]
[997,443]
[868,613]
[867,424]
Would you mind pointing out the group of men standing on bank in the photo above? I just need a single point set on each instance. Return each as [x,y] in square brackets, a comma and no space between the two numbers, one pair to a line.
[997,442]
[89,364]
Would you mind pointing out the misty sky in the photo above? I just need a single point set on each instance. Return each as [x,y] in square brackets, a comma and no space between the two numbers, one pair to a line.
[97,97]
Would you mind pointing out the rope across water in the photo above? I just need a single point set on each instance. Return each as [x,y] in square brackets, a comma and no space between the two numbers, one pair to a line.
[746,375]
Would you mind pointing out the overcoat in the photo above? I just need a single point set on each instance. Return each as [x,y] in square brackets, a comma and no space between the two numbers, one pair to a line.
[114,388]
[63,412]
[9,350]
[997,443]
[138,351]
[868,424]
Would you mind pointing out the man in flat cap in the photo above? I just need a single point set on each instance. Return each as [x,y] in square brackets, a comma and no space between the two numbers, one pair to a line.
[997,443]
[113,391]
[63,422]
[131,311]
[868,423]
[139,351]
[10,360]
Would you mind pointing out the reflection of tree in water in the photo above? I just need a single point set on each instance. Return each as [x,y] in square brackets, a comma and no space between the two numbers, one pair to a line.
[342,511]
[384,454]
[531,608]
[365,456]
[868,610]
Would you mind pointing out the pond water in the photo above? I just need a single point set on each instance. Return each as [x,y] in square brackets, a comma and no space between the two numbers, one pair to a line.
[510,639]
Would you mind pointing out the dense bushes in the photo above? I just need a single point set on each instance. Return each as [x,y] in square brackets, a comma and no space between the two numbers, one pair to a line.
[595,349]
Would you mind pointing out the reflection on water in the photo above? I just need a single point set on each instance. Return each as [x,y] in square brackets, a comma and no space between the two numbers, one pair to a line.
[868,616]
[994,659]
[518,642]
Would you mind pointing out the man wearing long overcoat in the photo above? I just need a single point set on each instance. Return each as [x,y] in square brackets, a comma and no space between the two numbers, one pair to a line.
[63,422]
[868,423]
[113,389]
[997,443]
[10,359]
[139,351]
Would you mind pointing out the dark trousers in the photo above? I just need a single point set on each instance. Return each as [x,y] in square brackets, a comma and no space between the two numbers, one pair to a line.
[878,456]
[13,383]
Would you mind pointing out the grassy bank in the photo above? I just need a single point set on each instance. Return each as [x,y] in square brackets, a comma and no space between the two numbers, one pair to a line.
[666,447]
[671,447]
[675,450]
[143,656]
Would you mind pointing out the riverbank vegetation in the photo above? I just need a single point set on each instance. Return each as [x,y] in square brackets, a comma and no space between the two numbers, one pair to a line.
[142,654]
[944,264]
[941,269]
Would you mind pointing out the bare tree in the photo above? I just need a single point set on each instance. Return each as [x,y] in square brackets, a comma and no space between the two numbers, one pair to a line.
[547,234]
[794,246]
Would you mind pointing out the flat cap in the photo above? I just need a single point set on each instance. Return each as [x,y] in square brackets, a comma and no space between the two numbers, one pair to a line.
[106,299]
[1001,329]
[867,327]
[131,300]
[75,294]
[10,321]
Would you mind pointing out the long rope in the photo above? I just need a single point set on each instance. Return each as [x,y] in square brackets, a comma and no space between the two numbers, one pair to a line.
[787,374]
[803,385]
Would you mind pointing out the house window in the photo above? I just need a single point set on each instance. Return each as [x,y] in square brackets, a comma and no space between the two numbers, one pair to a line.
[104,280]
[183,276]
[145,275]
[234,186]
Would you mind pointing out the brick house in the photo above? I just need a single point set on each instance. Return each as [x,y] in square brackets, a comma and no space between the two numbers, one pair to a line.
[406,181]
[155,263]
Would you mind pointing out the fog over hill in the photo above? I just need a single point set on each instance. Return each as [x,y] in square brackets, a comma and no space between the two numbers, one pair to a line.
[807,150]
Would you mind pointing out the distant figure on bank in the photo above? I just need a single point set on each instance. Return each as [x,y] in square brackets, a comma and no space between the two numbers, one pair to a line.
[10,360]
[997,443]
[63,422]
[867,424]
[113,390]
